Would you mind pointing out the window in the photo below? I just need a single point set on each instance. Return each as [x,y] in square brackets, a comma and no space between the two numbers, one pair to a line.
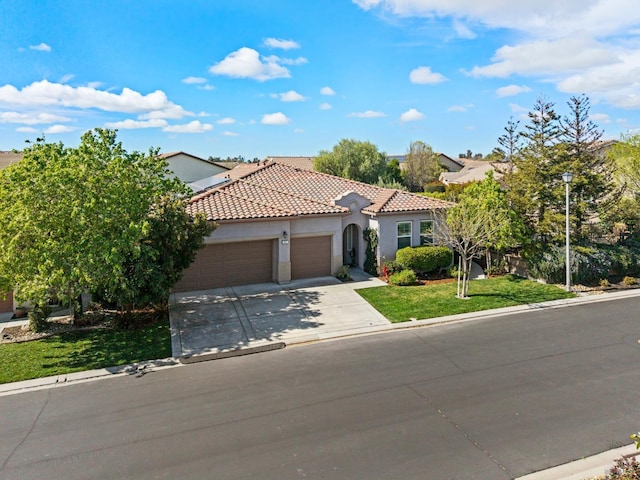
[426,232]
[404,234]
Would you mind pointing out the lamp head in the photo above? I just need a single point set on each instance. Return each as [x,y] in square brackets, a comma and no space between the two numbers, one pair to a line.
[567,177]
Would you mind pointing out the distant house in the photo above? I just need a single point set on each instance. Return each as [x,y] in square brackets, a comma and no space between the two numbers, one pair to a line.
[7,158]
[277,223]
[190,168]
[447,162]
[473,171]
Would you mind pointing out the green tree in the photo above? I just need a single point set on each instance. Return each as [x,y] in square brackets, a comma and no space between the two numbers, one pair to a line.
[422,165]
[592,188]
[73,219]
[481,220]
[535,179]
[626,155]
[352,159]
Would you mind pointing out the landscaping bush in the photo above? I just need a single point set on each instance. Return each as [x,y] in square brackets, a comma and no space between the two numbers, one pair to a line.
[38,318]
[588,265]
[390,268]
[343,273]
[629,281]
[424,259]
[403,278]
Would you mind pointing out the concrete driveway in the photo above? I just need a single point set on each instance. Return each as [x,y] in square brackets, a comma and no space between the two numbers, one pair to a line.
[220,322]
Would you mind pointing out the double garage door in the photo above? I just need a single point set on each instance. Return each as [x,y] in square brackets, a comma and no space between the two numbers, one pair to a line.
[243,263]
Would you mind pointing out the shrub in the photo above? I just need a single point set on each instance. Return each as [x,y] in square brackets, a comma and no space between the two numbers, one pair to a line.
[497,267]
[624,469]
[588,265]
[604,283]
[424,259]
[343,273]
[629,281]
[389,268]
[435,187]
[38,318]
[403,278]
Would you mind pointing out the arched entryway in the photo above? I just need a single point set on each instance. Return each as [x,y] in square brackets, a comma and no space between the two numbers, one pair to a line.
[350,242]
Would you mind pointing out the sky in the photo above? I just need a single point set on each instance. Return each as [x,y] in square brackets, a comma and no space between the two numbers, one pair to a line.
[261,78]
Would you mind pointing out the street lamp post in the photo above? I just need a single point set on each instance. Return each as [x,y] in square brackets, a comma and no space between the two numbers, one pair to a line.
[567,177]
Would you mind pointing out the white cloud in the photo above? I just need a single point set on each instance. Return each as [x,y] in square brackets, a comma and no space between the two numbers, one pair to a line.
[66,78]
[130,124]
[325,106]
[246,63]
[41,47]
[191,127]
[462,29]
[286,61]
[511,90]
[93,84]
[424,76]
[280,43]
[278,118]
[31,118]
[600,118]
[601,17]
[327,91]
[367,114]
[411,115]
[194,80]
[291,96]
[227,133]
[226,121]
[544,57]
[58,129]
[45,93]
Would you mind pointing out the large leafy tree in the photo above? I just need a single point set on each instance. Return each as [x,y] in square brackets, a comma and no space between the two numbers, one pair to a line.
[626,155]
[78,219]
[353,159]
[422,165]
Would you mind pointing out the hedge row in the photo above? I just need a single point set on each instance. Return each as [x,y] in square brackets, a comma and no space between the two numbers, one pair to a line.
[424,259]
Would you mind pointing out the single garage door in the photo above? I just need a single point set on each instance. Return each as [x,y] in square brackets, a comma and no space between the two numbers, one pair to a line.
[310,257]
[229,264]
[6,304]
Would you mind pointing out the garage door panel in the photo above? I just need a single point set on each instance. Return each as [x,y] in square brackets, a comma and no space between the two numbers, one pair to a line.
[6,304]
[310,257]
[229,264]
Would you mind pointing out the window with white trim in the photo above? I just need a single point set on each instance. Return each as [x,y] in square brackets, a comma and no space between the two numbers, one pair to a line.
[426,232]
[403,230]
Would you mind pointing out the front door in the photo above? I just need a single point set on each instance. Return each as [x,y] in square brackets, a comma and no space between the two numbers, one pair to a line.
[350,245]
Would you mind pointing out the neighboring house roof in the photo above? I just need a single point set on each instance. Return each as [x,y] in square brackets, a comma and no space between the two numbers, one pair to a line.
[274,190]
[446,161]
[306,163]
[473,171]
[7,158]
[169,155]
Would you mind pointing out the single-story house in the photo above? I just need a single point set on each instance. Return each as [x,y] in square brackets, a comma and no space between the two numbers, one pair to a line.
[190,168]
[277,222]
[473,171]
[448,163]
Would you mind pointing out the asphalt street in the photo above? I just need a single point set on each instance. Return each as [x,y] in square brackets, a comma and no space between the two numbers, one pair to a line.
[489,399]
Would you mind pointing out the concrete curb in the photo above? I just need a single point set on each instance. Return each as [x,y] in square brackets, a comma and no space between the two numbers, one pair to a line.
[217,354]
[585,468]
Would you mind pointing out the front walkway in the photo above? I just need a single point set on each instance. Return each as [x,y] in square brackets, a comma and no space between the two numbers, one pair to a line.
[218,321]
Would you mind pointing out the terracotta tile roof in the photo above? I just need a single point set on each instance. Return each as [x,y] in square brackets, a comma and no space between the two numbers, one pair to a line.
[273,190]
[305,163]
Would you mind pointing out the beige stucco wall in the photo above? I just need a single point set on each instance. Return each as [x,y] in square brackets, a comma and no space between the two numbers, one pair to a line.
[189,169]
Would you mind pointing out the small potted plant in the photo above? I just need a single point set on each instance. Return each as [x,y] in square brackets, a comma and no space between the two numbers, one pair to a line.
[21,311]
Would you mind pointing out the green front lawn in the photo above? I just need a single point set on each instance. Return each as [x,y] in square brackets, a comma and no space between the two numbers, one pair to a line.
[83,350]
[399,304]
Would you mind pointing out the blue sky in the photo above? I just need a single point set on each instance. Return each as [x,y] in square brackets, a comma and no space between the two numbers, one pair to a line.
[293,77]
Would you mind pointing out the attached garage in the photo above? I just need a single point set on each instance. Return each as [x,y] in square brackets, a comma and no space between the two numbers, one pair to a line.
[310,257]
[6,304]
[229,264]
